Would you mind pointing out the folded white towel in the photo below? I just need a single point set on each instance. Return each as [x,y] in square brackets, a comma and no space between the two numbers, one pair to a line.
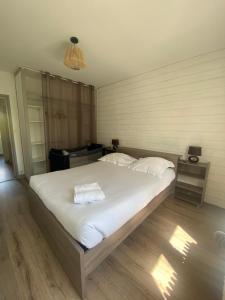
[87,187]
[88,193]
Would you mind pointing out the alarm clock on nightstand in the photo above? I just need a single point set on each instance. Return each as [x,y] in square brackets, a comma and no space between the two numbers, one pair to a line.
[194,152]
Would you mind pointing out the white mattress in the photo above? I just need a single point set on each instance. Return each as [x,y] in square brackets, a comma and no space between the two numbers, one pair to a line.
[126,191]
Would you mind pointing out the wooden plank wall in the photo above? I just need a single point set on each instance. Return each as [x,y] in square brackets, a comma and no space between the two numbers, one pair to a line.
[170,108]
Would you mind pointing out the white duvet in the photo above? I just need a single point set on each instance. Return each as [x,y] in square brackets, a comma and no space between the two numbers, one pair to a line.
[126,191]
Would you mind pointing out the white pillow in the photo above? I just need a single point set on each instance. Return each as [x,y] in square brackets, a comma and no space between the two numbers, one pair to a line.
[119,159]
[152,165]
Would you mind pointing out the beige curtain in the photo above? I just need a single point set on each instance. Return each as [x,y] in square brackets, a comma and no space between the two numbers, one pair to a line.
[69,113]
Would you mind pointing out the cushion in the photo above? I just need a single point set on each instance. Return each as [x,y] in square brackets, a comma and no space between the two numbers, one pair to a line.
[153,165]
[119,159]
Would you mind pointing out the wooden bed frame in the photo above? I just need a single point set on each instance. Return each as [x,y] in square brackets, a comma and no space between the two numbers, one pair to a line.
[76,262]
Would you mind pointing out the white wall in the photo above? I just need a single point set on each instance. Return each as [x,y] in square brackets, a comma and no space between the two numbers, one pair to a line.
[1,150]
[7,87]
[5,137]
[170,108]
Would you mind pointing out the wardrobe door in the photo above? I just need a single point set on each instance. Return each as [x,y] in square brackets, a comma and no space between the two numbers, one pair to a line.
[31,118]
[35,113]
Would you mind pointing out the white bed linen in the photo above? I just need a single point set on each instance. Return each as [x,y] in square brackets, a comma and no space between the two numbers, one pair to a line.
[126,191]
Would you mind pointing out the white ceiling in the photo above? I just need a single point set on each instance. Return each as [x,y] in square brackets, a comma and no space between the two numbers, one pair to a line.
[120,38]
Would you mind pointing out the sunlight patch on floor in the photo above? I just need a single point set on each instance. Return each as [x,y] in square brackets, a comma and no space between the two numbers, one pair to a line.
[164,276]
[181,240]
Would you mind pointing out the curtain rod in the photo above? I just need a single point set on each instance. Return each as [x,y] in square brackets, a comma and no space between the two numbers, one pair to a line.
[53,75]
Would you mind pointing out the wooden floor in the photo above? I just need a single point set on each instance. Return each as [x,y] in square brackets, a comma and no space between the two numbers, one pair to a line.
[6,172]
[172,255]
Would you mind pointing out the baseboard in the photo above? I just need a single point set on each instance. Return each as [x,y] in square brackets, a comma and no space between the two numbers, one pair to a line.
[217,203]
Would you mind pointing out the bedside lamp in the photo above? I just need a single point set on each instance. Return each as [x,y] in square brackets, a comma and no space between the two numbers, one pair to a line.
[115,143]
[194,152]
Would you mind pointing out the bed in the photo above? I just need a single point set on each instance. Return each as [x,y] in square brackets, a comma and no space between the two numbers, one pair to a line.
[81,236]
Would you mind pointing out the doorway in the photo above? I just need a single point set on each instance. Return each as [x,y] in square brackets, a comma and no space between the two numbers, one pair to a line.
[7,158]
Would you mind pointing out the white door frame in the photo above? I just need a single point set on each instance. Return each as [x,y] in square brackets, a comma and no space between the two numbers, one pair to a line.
[5,99]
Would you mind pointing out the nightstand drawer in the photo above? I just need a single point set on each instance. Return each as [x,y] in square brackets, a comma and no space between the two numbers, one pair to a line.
[192,170]
[186,195]
[108,150]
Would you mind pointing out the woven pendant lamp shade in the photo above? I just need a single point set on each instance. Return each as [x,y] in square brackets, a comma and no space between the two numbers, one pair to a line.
[74,58]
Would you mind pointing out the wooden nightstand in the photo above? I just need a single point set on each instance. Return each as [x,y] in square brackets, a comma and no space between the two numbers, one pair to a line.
[191,182]
[108,150]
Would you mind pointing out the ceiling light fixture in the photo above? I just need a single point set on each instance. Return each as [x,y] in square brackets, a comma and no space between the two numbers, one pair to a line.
[74,58]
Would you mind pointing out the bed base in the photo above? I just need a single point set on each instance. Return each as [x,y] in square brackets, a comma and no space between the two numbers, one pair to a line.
[76,262]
